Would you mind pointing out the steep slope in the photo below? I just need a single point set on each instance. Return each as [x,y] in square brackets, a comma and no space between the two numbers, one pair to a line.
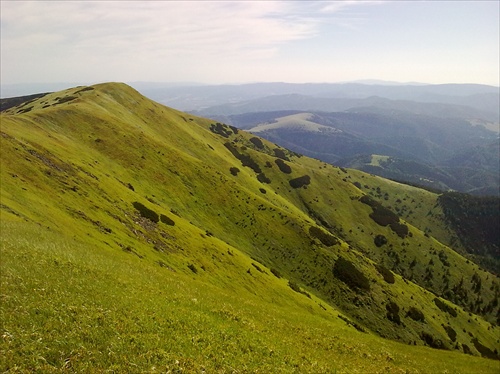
[104,171]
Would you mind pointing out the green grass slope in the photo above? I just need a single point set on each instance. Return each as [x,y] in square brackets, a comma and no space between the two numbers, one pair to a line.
[139,238]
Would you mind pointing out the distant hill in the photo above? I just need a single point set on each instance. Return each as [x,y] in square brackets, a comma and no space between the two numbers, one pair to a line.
[138,238]
[197,98]
[447,153]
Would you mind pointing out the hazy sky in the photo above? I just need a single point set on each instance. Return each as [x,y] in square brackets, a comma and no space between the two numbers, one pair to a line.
[249,41]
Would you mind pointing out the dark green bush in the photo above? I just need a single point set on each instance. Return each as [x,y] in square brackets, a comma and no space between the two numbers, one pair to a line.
[280,154]
[380,240]
[400,229]
[283,166]
[257,267]
[384,216]
[345,271]
[415,314]
[166,220]
[84,89]
[325,238]
[393,312]
[485,351]
[246,160]
[146,212]
[220,129]
[386,273]
[257,142]
[263,179]
[66,99]
[351,323]
[234,171]
[276,273]
[451,333]
[193,268]
[294,286]
[431,341]
[445,307]
[300,181]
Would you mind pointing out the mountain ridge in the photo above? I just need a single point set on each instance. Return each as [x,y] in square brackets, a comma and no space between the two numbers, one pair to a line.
[116,170]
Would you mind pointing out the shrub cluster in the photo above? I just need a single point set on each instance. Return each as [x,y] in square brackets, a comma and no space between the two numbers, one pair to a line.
[485,351]
[65,99]
[246,160]
[386,273]
[146,212]
[85,89]
[278,152]
[415,314]
[283,166]
[445,307]
[263,179]
[276,273]
[452,334]
[220,129]
[257,142]
[345,271]
[300,181]
[393,312]
[357,184]
[385,217]
[193,268]
[294,286]
[166,220]
[324,237]
[400,229]
[431,341]
[234,171]
[380,240]
[351,323]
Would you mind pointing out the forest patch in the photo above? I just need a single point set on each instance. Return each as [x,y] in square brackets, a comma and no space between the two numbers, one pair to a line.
[348,273]
[221,129]
[385,217]
[300,181]
[257,142]
[445,307]
[386,274]
[246,160]
[283,166]
[145,212]
[324,237]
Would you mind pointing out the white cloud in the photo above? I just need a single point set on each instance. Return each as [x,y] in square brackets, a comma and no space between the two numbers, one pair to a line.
[54,33]
[212,41]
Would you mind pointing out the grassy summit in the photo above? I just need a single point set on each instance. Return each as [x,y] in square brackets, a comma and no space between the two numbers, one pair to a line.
[139,238]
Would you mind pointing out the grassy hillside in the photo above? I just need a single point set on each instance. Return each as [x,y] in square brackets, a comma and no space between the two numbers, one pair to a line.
[135,236]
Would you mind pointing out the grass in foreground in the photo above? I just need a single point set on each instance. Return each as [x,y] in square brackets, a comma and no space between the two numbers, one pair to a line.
[68,306]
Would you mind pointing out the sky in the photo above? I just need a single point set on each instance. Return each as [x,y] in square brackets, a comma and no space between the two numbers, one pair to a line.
[220,42]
